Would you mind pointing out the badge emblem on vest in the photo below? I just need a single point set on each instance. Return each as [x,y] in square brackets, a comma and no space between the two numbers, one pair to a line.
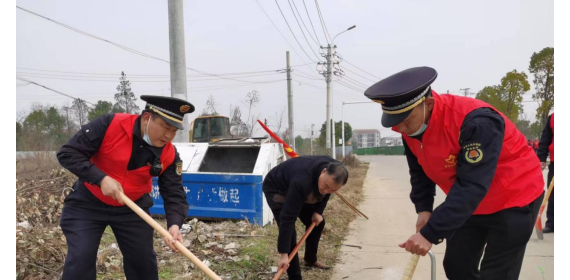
[179,168]
[452,160]
[184,108]
[473,152]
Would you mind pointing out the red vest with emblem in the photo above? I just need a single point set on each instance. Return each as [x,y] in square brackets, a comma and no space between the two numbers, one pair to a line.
[113,158]
[518,179]
[551,147]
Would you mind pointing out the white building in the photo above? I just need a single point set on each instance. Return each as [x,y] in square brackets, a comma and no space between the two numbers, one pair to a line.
[391,141]
[365,138]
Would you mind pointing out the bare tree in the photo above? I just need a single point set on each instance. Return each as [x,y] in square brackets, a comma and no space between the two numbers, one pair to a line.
[277,121]
[67,109]
[251,100]
[210,109]
[21,116]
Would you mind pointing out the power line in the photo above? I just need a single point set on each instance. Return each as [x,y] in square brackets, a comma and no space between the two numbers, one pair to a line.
[312,26]
[351,95]
[350,87]
[325,30]
[292,32]
[309,32]
[274,25]
[126,48]
[151,75]
[361,69]
[360,75]
[355,82]
[113,80]
[31,82]
[309,75]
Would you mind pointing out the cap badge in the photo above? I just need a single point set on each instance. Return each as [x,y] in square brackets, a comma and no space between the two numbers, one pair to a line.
[184,108]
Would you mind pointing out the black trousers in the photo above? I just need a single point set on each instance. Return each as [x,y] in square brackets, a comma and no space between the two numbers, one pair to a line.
[502,236]
[312,242]
[550,207]
[83,221]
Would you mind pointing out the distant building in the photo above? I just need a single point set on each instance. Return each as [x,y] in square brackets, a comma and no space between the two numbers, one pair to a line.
[365,138]
[391,141]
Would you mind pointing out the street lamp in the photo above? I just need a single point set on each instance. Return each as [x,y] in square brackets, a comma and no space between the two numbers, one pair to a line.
[342,118]
[329,96]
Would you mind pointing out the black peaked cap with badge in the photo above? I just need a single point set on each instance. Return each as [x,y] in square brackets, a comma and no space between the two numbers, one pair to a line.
[401,92]
[170,109]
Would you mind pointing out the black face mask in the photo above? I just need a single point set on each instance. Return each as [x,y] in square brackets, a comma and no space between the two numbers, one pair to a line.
[156,168]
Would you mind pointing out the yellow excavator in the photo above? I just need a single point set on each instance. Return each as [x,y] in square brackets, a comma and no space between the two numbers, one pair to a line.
[207,129]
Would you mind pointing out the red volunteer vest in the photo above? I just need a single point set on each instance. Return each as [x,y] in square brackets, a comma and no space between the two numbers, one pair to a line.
[113,158]
[518,180]
[551,147]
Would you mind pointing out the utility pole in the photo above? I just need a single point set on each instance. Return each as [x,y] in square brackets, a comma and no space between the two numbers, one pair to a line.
[328,77]
[312,130]
[66,109]
[465,91]
[290,102]
[178,59]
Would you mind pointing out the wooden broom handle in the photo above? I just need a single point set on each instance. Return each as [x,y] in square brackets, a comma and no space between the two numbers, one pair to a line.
[167,234]
[292,255]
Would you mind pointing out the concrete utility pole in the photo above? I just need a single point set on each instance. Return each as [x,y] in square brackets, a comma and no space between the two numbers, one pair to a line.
[178,59]
[329,97]
[330,137]
[312,129]
[465,91]
[290,102]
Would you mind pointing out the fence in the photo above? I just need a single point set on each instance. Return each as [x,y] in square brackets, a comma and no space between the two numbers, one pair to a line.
[395,150]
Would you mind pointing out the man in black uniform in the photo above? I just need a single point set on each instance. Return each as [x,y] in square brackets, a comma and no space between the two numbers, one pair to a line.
[545,147]
[300,188]
[121,153]
[484,165]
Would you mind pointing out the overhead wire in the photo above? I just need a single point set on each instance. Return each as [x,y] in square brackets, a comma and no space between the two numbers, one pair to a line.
[302,21]
[127,48]
[312,26]
[325,30]
[51,89]
[292,33]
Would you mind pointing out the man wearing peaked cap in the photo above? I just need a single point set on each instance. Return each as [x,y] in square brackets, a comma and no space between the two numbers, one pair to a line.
[121,153]
[492,178]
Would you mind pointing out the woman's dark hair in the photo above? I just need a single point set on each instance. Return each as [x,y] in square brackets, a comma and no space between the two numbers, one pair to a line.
[338,171]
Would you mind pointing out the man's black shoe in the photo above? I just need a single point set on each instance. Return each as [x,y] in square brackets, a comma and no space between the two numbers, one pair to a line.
[548,230]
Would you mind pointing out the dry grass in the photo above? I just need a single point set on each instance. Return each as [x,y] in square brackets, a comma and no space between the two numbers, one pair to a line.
[41,249]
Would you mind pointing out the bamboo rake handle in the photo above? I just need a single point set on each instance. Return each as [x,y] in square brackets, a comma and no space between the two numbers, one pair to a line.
[411,267]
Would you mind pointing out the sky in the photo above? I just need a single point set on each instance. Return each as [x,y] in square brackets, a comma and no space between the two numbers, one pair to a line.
[471,44]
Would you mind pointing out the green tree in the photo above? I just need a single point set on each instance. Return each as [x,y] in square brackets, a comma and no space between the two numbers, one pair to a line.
[35,122]
[43,129]
[507,97]
[535,130]
[338,133]
[299,142]
[125,98]
[524,127]
[542,67]
[80,110]
[19,134]
[514,85]
[101,108]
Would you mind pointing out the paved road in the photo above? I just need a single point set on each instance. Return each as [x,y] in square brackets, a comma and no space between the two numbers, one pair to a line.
[392,221]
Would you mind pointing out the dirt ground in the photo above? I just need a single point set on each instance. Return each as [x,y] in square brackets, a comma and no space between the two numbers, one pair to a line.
[233,249]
